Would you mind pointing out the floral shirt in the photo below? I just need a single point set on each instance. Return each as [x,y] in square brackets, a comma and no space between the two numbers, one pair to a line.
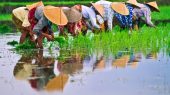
[126,21]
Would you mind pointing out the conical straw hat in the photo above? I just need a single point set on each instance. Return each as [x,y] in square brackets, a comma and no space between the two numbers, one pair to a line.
[29,7]
[120,8]
[57,83]
[153,5]
[72,15]
[99,8]
[55,15]
[134,3]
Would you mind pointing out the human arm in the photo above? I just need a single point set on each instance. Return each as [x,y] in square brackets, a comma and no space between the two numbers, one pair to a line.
[147,15]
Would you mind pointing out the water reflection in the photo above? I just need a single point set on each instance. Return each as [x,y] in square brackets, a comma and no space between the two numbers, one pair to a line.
[35,68]
[45,71]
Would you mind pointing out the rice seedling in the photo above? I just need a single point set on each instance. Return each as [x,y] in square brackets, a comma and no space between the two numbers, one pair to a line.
[111,42]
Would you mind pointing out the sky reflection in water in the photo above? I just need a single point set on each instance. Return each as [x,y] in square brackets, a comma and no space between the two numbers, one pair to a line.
[41,72]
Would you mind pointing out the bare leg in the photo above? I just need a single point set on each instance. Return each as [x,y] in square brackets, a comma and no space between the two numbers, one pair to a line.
[23,36]
[136,27]
[39,41]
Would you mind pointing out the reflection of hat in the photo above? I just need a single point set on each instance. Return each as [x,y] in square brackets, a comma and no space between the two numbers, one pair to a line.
[55,15]
[121,62]
[99,8]
[34,5]
[57,83]
[153,5]
[134,3]
[120,8]
[72,14]
[134,64]
[100,64]
[22,71]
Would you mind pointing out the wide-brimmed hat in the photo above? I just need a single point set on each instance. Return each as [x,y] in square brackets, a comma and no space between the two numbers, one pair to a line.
[133,3]
[120,8]
[55,15]
[99,8]
[153,5]
[29,7]
[72,14]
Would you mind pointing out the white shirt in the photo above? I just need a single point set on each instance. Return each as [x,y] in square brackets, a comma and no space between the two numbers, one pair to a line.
[89,13]
[103,2]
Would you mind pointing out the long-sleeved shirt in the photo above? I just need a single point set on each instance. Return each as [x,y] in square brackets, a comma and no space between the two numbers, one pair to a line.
[42,21]
[89,14]
[145,12]
[108,12]
[22,14]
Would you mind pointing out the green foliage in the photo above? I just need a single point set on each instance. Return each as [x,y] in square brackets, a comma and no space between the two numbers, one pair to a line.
[163,15]
[12,43]
[5,17]
[112,42]
[5,29]
[26,45]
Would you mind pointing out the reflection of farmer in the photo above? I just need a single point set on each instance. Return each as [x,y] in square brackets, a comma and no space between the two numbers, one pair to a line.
[152,55]
[20,19]
[71,65]
[121,62]
[59,81]
[23,68]
[35,68]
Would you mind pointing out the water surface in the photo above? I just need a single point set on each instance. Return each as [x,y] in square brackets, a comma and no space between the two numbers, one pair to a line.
[42,72]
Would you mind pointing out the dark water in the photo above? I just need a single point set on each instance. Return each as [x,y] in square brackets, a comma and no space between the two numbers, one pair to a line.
[44,72]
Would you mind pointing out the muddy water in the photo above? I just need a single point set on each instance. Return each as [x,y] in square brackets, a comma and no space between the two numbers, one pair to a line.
[42,72]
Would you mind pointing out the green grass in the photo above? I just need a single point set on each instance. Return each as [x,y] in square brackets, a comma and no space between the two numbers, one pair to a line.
[46,3]
[5,17]
[164,13]
[147,38]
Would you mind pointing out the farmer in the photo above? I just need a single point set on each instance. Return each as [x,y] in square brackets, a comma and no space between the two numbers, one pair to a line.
[74,17]
[126,20]
[145,11]
[89,16]
[110,9]
[44,16]
[20,19]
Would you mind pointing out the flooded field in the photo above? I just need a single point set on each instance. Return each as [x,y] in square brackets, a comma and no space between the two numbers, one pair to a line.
[59,72]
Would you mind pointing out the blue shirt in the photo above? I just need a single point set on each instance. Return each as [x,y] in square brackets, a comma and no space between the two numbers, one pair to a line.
[126,21]
[42,21]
